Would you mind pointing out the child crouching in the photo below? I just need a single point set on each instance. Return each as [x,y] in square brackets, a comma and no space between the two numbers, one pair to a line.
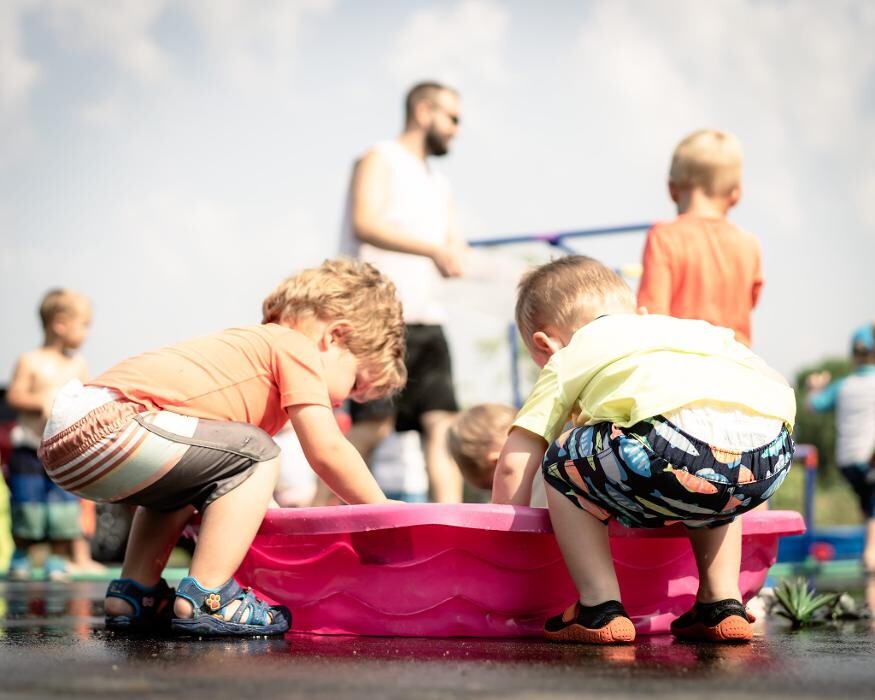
[189,428]
[675,422]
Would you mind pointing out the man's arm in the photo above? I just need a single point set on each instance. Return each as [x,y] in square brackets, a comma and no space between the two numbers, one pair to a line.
[369,191]
[332,456]
[518,463]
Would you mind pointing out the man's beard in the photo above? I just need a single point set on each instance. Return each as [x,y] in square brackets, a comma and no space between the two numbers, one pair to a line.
[435,144]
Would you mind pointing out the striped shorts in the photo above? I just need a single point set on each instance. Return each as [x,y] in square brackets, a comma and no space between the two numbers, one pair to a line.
[119,452]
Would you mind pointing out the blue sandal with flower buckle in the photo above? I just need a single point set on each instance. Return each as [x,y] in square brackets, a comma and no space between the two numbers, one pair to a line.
[252,618]
[152,606]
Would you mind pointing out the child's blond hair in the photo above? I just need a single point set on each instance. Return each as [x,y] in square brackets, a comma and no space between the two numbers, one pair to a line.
[343,289]
[58,302]
[709,159]
[566,294]
[474,434]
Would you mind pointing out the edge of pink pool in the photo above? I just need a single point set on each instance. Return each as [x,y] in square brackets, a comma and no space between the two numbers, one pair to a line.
[435,570]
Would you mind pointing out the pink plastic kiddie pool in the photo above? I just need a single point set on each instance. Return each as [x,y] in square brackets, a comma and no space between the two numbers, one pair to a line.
[470,570]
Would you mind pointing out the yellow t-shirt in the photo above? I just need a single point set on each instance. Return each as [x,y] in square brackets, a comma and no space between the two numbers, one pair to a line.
[625,368]
[250,374]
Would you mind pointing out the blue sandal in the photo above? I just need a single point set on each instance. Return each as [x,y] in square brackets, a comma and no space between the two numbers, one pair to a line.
[153,606]
[209,621]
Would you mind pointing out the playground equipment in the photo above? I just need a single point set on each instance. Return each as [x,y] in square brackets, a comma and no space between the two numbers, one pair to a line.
[439,570]
[824,544]
[560,241]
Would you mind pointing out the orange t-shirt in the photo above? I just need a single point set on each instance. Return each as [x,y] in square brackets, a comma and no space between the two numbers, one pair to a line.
[250,374]
[707,269]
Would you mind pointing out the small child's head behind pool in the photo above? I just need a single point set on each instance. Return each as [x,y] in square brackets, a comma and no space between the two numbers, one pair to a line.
[708,160]
[65,317]
[366,304]
[559,297]
[475,439]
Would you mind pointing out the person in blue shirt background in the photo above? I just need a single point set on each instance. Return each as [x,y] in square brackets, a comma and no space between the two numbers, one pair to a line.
[853,399]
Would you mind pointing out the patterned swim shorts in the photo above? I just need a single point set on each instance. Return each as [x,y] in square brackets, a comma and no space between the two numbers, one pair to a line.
[654,474]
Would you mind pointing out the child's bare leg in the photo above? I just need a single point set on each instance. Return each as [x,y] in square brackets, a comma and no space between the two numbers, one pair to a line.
[153,534]
[583,540]
[367,434]
[227,529]
[718,615]
[718,559]
[443,473]
[81,556]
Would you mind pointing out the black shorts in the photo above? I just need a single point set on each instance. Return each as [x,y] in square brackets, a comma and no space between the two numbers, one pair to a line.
[861,478]
[429,382]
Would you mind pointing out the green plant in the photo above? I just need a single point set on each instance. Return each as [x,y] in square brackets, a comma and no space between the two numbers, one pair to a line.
[799,602]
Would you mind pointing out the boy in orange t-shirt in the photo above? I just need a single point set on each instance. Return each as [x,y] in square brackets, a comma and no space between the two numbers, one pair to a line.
[189,428]
[701,266]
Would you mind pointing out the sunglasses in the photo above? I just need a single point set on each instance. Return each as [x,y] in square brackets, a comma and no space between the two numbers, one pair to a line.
[452,117]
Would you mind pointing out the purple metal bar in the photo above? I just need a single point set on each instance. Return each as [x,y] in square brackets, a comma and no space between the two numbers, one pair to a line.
[556,238]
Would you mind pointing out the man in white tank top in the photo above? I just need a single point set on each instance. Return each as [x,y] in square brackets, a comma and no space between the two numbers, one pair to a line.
[400,217]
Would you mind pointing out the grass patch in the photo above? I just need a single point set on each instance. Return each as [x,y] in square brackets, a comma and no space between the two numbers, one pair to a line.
[6,545]
[834,501]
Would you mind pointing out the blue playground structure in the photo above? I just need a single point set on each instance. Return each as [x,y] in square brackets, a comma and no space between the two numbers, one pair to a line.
[823,544]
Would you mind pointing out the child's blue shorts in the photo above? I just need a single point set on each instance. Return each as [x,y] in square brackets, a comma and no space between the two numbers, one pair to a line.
[654,474]
[40,510]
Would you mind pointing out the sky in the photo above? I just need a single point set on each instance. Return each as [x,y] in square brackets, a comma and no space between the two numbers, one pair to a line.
[175,159]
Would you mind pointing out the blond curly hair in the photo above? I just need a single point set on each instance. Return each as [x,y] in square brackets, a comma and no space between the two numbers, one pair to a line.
[356,292]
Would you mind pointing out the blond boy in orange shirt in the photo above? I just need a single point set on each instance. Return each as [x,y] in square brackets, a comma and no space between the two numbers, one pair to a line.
[189,428]
[702,266]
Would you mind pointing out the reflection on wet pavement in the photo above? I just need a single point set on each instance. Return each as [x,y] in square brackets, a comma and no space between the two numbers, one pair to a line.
[52,640]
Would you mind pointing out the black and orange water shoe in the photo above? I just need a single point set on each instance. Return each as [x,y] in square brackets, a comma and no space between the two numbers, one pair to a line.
[724,621]
[605,623]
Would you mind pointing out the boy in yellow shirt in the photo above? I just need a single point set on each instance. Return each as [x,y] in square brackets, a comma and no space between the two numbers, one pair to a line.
[675,422]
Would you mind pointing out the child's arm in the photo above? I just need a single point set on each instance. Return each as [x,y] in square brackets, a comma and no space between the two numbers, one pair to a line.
[22,396]
[332,456]
[820,392]
[654,291]
[520,460]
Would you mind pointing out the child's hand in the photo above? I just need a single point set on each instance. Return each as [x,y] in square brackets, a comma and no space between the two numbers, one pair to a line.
[817,381]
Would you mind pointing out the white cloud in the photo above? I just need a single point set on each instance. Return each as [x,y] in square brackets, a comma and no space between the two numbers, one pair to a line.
[122,30]
[254,42]
[18,76]
[454,44]
[105,112]
[17,72]
[865,197]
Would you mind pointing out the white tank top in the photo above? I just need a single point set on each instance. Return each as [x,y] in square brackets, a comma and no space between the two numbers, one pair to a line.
[418,204]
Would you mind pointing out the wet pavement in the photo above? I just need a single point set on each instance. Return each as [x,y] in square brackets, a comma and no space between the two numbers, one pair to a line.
[53,644]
